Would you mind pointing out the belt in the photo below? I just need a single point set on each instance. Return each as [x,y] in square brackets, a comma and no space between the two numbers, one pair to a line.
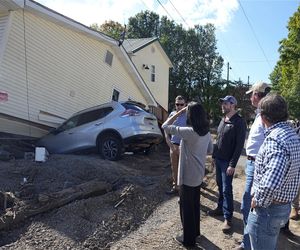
[279,203]
[250,158]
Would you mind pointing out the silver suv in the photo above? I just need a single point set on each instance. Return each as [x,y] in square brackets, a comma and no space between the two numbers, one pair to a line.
[112,127]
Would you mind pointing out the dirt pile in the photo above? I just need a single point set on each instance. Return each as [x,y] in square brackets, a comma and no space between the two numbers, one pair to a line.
[136,183]
[135,213]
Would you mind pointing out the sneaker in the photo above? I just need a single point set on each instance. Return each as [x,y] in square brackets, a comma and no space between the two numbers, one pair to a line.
[226,228]
[173,190]
[215,212]
[179,239]
[240,247]
[294,214]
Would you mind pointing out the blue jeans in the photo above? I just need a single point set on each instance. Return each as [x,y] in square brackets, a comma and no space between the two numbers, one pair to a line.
[264,225]
[224,182]
[246,202]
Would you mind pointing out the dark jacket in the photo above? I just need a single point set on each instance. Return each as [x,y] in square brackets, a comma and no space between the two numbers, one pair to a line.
[230,139]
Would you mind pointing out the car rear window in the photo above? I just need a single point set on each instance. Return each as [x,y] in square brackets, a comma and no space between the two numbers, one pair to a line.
[132,106]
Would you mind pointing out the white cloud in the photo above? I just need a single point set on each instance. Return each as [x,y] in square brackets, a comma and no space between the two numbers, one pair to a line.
[218,12]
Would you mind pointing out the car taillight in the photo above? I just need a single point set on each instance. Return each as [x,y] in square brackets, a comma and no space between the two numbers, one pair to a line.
[130,112]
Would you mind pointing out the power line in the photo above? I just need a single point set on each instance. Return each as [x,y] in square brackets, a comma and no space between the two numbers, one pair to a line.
[144,4]
[254,34]
[178,13]
[166,11]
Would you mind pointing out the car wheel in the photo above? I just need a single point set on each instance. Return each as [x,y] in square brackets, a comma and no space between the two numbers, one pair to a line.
[110,147]
[149,150]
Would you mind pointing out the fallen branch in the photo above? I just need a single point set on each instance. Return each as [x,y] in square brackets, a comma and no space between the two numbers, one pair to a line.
[17,214]
[119,203]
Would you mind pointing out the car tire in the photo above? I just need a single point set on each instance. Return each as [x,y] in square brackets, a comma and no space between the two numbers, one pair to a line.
[110,147]
[149,150]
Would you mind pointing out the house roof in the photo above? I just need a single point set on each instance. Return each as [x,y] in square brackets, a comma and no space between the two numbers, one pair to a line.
[53,16]
[134,45]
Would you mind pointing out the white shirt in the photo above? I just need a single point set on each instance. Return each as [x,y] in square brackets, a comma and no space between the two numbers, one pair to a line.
[256,137]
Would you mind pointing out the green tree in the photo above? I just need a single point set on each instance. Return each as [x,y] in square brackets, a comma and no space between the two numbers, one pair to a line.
[143,25]
[110,28]
[286,74]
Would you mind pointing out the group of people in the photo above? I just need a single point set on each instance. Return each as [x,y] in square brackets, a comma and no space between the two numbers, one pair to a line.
[272,169]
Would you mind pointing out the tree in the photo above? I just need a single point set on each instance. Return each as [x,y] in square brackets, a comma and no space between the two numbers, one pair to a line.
[143,25]
[110,28]
[286,74]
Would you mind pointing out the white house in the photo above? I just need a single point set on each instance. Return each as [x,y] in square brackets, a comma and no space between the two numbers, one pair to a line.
[52,66]
[153,65]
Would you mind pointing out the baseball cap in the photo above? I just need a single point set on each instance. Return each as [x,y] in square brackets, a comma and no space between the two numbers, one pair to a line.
[229,98]
[259,87]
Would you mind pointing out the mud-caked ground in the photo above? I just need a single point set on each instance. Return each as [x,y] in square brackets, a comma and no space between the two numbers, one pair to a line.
[134,213]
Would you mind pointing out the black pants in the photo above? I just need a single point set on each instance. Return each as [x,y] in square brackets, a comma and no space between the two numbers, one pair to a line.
[190,213]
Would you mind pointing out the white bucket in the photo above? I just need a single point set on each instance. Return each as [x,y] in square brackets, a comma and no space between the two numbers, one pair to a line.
[41,154]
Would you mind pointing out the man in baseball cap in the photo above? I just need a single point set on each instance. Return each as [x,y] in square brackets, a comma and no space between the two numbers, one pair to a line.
[254,141]
[259,87]
[229,98]
[229,144]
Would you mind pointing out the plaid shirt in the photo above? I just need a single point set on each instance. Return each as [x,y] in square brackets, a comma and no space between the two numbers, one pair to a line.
[277,166]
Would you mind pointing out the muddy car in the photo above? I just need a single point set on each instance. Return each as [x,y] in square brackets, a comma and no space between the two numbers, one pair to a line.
[112,128]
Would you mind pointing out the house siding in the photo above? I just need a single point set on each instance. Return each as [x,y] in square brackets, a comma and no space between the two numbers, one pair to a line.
[63,71]
[3,24]
[159,88]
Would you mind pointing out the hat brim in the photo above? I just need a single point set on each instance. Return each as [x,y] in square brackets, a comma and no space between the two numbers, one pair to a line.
[249,91]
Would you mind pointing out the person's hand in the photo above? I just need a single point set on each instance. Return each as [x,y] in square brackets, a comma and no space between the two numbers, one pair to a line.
[230,171]
[253,203]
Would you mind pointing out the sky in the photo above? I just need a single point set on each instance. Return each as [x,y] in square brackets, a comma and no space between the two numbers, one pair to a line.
[248,31]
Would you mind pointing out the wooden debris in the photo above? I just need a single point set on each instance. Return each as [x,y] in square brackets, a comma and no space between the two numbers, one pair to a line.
[124,193]
[17,214]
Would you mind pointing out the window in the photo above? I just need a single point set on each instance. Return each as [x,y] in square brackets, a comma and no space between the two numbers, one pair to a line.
[152,73]
[84,118]
[109,58]
[93,115]
[127,105]
[115,95]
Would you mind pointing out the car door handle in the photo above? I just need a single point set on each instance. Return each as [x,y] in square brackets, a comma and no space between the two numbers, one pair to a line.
[98,124]
[70,133]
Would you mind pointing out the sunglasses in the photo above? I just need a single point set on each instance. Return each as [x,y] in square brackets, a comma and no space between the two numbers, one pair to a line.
[179,104]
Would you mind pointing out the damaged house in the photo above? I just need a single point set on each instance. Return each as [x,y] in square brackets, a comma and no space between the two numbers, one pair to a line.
[52,66]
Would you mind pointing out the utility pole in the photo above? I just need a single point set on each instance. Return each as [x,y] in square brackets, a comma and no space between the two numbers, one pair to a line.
[248,81]
[228,68]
